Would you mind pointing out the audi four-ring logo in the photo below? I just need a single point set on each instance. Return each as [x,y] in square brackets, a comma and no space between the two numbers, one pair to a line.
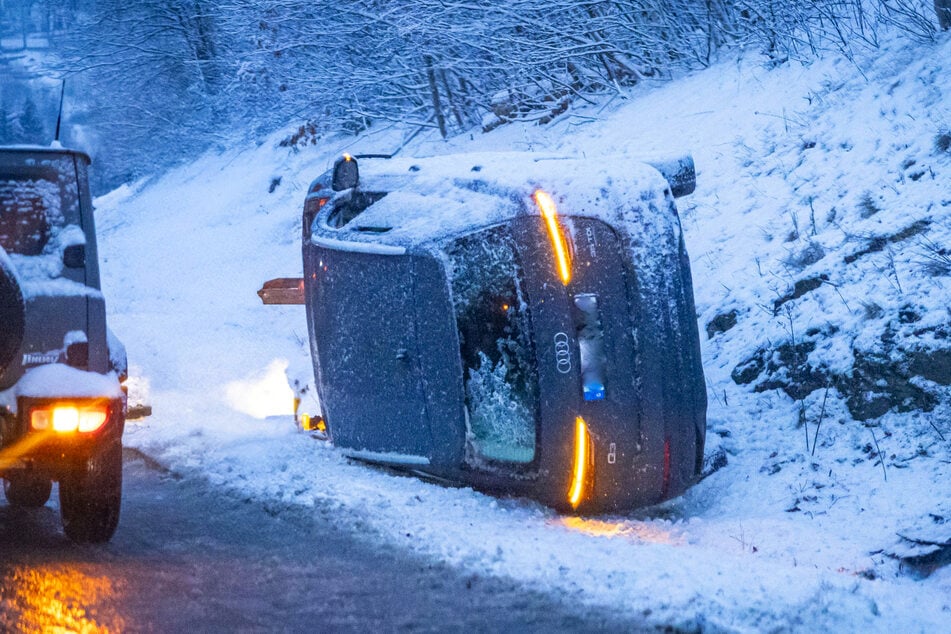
[562,353]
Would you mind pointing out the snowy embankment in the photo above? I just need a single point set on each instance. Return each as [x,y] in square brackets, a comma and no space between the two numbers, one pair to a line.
[819,238]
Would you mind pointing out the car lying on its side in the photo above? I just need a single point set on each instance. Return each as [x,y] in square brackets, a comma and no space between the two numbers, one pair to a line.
[62,407]
[516,323]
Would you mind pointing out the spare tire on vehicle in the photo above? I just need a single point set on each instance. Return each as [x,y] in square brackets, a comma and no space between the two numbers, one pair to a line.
[11,313]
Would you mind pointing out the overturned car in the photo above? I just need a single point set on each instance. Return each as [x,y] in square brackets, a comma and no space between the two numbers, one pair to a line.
[516,323]
[62,407]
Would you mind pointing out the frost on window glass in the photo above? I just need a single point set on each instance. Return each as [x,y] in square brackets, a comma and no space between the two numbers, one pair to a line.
[39,196]
[29,211]
[496,346]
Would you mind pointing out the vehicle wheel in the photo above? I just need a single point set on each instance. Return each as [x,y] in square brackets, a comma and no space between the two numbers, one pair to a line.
[90,496]
[26,490]
[11,313]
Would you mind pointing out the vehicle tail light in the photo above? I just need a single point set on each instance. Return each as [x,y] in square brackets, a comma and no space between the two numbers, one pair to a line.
[312,206]
[559,242]
[64,418]
[582,459]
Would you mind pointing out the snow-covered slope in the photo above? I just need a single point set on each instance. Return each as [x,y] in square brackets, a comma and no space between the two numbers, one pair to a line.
[819,234]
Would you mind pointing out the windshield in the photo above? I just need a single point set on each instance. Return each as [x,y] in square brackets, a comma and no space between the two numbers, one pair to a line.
[38,196]
[496,346]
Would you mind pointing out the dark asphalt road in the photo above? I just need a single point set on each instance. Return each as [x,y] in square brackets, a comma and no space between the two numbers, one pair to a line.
[189,558]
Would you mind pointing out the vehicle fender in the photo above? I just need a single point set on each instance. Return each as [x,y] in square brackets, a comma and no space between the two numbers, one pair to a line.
[118,360]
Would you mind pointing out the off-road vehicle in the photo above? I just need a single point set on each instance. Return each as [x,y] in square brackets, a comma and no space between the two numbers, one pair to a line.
[518,323]
[62,407]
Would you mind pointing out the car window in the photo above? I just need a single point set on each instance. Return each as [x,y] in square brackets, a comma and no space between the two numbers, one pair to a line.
[349,208]
[38,197]
[25,206]
[495,344]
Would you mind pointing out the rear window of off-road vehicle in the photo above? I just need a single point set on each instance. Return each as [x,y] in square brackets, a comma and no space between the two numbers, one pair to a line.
[37,199]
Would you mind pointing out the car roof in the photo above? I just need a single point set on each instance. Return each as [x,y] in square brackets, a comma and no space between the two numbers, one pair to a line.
[435,198]
[44,149]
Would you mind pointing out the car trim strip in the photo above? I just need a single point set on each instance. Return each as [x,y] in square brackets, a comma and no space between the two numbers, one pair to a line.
[357,247]
[388,458]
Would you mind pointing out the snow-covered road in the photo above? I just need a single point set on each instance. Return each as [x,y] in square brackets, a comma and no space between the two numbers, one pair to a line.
[190,557]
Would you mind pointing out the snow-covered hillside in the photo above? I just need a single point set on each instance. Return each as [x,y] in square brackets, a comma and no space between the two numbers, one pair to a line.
[820,236]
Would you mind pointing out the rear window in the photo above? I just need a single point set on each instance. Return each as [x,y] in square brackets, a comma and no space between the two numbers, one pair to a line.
[496,346]
[38,196]
[27,207]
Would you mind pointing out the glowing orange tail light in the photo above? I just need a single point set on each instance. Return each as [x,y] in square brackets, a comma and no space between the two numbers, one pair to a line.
[65,418]
[579,472]
[558,241]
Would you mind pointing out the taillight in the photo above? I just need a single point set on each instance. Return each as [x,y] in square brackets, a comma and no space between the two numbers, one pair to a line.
[66,418]
[580,476]
[559,243]
[312,206]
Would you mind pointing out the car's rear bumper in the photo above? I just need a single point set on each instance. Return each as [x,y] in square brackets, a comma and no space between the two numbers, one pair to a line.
[645,425]
[49,452]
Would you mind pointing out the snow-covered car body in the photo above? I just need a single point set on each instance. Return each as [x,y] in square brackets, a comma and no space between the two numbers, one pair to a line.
[517,323]
[62,409]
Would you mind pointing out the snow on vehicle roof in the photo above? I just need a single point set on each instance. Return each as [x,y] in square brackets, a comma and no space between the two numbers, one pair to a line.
[47,149]
[431,199]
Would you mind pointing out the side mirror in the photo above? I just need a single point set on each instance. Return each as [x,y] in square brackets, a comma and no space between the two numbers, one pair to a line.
[679,172]
[346,173]
[74,256]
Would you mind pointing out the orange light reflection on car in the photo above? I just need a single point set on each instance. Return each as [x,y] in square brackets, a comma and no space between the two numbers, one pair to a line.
[580,469]
[558,242]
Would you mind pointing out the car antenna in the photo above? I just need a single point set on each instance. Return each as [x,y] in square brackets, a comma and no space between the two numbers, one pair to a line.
[59,116]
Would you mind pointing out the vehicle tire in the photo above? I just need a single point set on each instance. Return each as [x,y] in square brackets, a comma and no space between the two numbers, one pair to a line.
[27,490]
[90,496]
[12,314]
